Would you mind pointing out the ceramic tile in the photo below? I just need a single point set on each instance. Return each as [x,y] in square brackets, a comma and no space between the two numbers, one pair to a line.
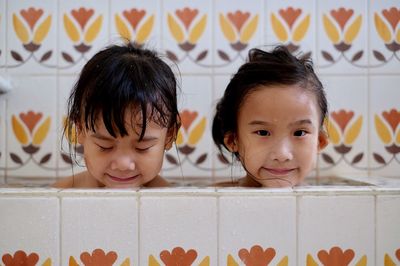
[246,225]
[30,225]
[387,229]
[31,130]
[66,165]
[346,224]
[342,41]
[83,31]
[138,21]
[3,143]
[166,226]
[32,36]
[223,171]
[297,32]
[382,40]
[3,31]
[194,148]
[238,26]
[347,152]
[384,126]
[97,225]
[187,34]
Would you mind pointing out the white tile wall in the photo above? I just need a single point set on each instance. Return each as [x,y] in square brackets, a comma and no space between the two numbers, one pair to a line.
[246,221]
[91,222]
[328,221]
[387,233]
[188,221]
[31,224]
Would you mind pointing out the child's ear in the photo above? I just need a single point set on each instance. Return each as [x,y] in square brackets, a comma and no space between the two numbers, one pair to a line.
[80,135]
[323,140]
[230,142]
[170,138]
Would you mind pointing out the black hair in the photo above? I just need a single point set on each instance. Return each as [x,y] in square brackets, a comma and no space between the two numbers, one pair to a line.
[275,68]
[123,78]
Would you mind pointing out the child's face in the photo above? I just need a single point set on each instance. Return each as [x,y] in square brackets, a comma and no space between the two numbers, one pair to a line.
[124,162]
[278,135]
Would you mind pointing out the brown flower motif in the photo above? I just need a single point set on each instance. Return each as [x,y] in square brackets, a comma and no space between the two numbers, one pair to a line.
[134,16]
[20,258]
[82,16]
[178,256]
[187,16]
[290,15]
[257,256]
[336,257]
[342,118]
[398,254]
[31,16]
[99,258]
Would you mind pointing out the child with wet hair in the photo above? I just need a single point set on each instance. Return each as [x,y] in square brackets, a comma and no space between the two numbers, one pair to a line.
[271,119]
[123,110]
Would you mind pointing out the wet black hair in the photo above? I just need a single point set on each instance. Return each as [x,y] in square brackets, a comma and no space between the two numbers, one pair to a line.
[276,68]
[123,78]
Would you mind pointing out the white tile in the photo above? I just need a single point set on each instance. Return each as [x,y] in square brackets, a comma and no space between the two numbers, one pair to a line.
[384,115]
[3,27]
[382,55]
[3,142]
[387,228]
[30,224]
[75,50]
[174,222]
[347,102]
[242,18]
[66,152]
[195,57]
[292,15]
[246,221]
[354,58]
[34,50]
[345,222]
[36,120]
[135,17]
[105,222]
[194,154]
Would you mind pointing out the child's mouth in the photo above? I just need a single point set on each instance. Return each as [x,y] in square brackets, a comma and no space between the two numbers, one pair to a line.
[122,179]
[279,171]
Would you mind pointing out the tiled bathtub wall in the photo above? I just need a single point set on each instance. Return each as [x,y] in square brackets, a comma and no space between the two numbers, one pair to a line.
[354,44]
[308,226]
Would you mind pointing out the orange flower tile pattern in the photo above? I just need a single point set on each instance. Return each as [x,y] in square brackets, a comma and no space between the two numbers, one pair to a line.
[20,258]
[257,256]
[128,27]
[178,256]
[290,26]
[82,25]
[336,257]
[98,257]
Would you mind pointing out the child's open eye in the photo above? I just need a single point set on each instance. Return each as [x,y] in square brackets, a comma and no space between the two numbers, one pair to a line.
[300,133]
[263,133]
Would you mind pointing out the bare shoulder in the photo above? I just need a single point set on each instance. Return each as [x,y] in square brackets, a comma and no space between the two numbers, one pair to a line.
[80,180]
[158,181]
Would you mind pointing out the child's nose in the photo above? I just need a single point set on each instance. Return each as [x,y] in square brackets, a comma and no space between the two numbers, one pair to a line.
[281,151]
[123,162]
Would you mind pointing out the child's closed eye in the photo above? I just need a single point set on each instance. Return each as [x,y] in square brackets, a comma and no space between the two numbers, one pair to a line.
[105,148]
[143,149]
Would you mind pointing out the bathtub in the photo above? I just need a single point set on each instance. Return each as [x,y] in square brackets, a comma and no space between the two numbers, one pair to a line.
[354,221]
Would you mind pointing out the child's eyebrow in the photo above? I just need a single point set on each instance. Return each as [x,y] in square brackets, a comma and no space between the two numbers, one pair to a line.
[301,122]
[102,137]
[259,123]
